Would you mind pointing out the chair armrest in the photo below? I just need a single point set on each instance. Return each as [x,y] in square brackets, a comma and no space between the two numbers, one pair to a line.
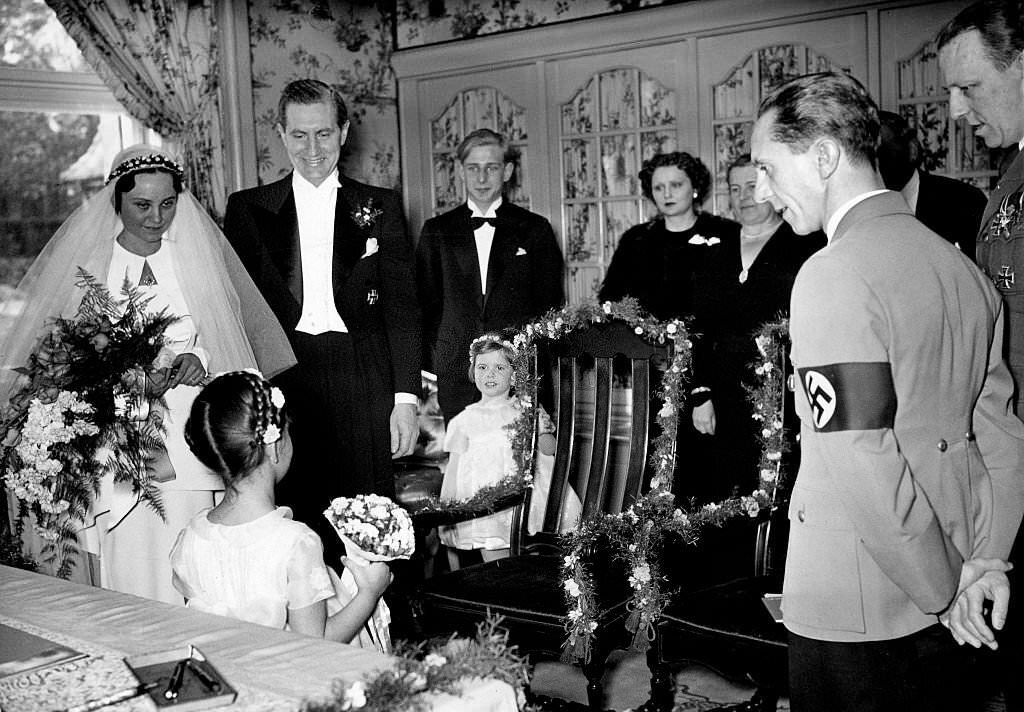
[432,513]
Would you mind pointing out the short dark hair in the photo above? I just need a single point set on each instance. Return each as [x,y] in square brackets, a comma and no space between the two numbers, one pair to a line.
[484,137]
[740,161]
[126,183]
[694,168]
[311,91]
[1000,24]
[898,125]
[828,104]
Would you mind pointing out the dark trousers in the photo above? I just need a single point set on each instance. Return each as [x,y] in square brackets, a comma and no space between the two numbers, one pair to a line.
[923,672]
[1010,655]
[339,401]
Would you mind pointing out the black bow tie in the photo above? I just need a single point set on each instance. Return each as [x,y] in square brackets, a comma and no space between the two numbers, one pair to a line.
[477,223]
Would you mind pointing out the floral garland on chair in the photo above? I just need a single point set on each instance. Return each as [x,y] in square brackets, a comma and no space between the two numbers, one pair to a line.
[767,397]
[636,535]
[633,536]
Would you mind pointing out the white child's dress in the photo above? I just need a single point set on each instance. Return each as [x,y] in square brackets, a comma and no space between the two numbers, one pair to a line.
[481,439]
[257,571]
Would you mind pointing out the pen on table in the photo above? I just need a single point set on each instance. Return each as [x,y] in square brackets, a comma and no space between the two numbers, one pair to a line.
[113,698]
[176,679]
[208,680]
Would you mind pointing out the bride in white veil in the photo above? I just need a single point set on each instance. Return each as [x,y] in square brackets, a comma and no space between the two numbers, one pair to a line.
[190,269]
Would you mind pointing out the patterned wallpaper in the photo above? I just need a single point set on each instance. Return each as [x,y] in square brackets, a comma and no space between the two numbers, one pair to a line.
[344,44]
[423,22]
[350,45]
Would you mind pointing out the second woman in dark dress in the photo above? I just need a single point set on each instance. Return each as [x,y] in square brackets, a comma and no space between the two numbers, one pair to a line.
[741,286]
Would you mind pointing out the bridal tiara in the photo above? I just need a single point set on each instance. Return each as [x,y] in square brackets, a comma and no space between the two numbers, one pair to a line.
[141,163]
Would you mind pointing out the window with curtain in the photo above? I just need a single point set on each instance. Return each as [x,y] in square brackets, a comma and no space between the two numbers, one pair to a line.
[949,146]
[737,97]
[60,128]
[618,119]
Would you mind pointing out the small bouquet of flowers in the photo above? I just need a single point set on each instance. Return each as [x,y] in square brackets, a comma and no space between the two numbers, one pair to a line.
[372,527]
[83,414]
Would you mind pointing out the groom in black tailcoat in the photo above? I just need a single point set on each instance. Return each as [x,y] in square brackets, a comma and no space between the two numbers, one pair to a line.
[333,259]
[485,266]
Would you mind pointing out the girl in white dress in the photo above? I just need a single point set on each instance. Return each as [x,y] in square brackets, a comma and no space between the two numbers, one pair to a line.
[480,454]
[246,558]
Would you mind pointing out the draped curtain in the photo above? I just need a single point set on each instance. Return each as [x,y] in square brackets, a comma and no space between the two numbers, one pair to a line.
[160,59]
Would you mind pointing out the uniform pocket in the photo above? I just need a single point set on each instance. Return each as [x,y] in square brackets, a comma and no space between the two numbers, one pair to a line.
[822,586]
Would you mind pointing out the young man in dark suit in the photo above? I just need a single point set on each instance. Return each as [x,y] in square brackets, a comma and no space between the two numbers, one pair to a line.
[484,266]
[948,206]
[333,259]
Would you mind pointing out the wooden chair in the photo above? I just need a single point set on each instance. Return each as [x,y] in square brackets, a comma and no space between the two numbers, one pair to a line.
[603,436]
[726,625]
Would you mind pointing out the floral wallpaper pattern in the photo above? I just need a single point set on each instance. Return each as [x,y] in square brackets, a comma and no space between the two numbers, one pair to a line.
[350,45]
[422,22]
[343,44]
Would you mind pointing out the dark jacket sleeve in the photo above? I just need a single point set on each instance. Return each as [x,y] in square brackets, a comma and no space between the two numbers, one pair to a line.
[623,273]
[548,269]
[399,297]
[430,286]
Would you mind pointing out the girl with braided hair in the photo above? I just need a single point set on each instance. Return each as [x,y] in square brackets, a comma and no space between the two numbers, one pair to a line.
[246,558]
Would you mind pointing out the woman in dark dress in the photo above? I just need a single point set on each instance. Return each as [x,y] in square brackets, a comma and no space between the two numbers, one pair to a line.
[655,261]
[741,286]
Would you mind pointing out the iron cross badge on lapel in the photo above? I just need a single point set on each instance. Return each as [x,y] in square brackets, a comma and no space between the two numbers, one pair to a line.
[1009,217]
[1005,278]
[371,296]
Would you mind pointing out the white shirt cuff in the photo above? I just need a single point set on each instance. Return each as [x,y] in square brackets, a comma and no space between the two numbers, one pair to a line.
[409,398]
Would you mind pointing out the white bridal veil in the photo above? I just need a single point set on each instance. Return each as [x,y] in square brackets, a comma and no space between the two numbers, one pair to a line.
[234,322]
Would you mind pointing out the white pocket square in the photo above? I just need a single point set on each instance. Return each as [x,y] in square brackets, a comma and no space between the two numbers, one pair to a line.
[701,240]
[520,251]
[371,247]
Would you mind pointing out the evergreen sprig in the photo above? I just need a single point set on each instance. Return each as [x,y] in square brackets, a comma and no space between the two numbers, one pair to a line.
[96,363]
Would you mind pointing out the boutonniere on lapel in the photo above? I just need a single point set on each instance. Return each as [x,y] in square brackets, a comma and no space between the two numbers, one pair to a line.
[701,240]
[366,215]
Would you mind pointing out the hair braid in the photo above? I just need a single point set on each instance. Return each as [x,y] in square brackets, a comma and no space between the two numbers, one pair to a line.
[232,419]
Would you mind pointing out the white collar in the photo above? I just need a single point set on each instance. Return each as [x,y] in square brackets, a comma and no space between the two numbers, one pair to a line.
[300,184]
[491,212]
[833,222]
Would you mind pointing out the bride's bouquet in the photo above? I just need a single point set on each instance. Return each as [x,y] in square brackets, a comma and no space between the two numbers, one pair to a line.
[83,413]
[372,527]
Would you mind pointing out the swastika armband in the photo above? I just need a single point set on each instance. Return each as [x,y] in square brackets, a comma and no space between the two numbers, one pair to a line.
[850,396]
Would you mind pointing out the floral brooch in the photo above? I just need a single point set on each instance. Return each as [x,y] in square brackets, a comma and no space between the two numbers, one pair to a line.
[701,240]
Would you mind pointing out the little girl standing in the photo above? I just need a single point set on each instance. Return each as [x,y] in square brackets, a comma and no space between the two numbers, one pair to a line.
[246,558]
[480,454]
